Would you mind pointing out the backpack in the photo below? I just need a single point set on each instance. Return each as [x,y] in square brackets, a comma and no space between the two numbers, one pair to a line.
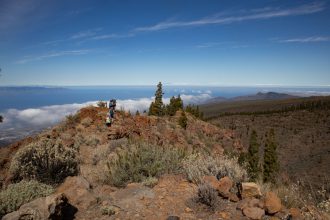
[112,103]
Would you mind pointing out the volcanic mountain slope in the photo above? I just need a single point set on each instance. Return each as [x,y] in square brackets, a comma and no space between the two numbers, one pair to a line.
[302,135]
[142,167]
[255,97]
[97,144]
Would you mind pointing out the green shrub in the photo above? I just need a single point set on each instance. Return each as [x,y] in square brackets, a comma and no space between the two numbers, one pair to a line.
[150,182]
[20,193]
[108,210]
[45,161]
[87,122]
[183,121]
[71,120]
[92,140]
[196,166]
[141,161]
[101,104]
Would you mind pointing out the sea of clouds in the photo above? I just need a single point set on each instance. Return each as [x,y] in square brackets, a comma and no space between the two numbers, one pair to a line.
[22,122]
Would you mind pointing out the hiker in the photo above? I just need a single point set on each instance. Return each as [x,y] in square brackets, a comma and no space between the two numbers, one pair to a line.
[111,113]
[112,107]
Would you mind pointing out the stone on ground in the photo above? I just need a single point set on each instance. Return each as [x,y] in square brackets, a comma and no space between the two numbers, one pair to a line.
[272,203]
[250,189]
[55,206]
[254,212]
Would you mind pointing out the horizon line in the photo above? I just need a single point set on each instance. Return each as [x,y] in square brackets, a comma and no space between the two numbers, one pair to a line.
[164,85]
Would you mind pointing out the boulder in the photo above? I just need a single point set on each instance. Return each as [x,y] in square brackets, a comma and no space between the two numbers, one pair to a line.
[212,180]
[224,186]
[272,203]
[77,190]
[253,212]
[295,213]
[249,202]
[250,189]
[233,197]
[55,206]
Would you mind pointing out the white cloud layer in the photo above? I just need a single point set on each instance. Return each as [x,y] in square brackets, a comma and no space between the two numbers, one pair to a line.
[43,117]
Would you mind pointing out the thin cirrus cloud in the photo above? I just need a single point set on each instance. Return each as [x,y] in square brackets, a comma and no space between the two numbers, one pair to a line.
[52,54]
[255,15]
[84,34]
[306,40]
[112,36]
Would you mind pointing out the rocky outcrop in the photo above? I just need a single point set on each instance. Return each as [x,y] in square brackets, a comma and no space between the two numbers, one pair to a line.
[55,206]
[254,212]
[77,190]
[225,184]
[250,190]
[212,181]
[272,203]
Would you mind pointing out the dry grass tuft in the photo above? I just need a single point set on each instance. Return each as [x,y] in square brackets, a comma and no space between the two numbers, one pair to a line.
[141,161]
[196,166]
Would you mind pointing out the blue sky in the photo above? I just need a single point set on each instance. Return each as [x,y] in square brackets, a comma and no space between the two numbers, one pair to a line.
[244,43]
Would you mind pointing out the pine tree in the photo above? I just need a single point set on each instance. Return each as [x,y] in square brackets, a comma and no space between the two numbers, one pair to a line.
[178,103]
[271,165]
[137,113]
[151,109]
[157,107]
[253,156]
[1,118]
[170,108]
[194,110]
[174,105]
[183,120]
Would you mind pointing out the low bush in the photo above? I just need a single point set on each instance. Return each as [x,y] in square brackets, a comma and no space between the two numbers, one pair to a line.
[150,182]
[86,121]
[108,210]
[140,161]
[71,120]
[20,193]
[207,195]
[92,140]
[45,161]
[101,104]
[196,166]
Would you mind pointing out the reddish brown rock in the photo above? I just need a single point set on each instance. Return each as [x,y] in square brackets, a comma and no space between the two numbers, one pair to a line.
[55,206]
[212,180]
[243,204]
[233,197]
[224,186]
[250,189]
[249,202]
[254,212]
[272,203]
[77,190]
[295,213]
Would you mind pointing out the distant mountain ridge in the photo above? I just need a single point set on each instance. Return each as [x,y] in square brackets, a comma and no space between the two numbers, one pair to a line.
[29,88]
[258,96]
